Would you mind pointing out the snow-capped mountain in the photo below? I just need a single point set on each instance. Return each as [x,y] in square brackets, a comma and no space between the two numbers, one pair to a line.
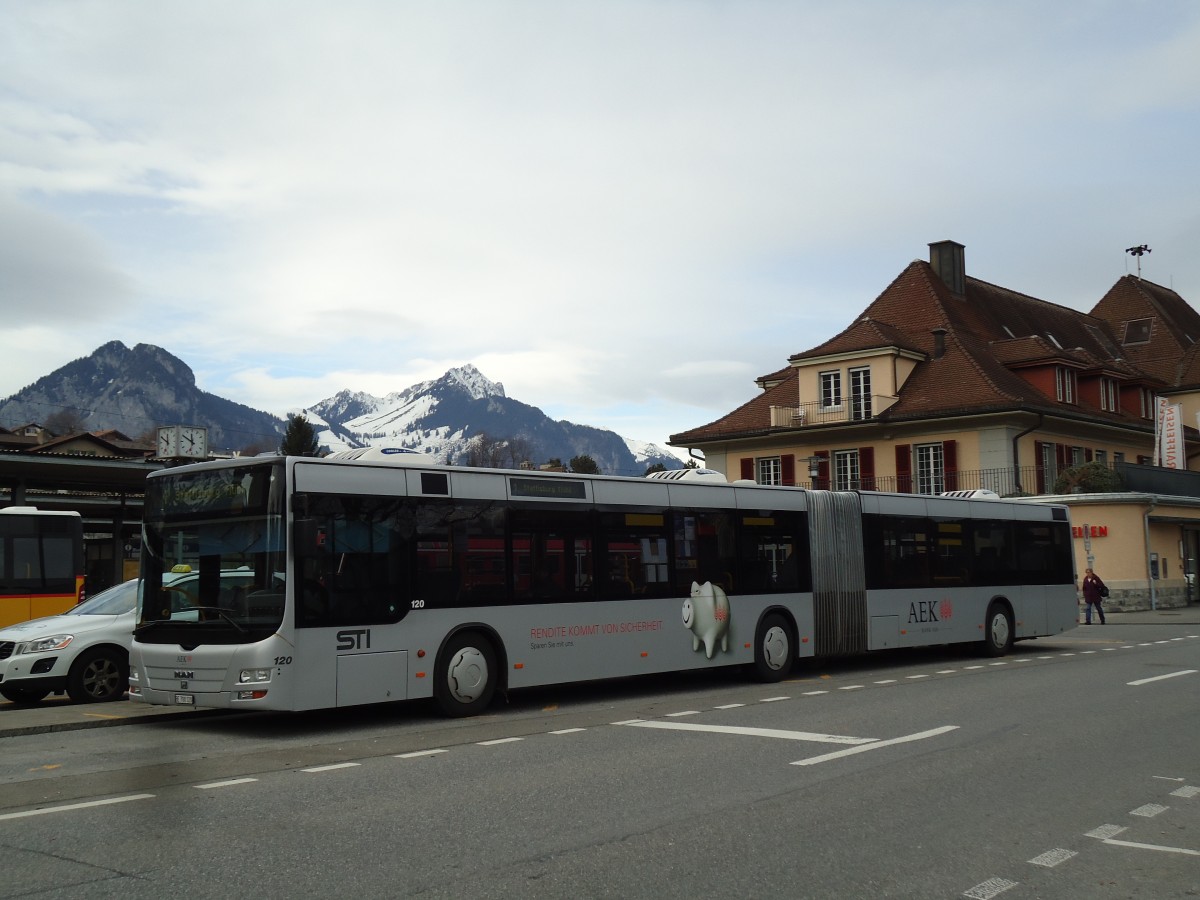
[136,390]
[443,417]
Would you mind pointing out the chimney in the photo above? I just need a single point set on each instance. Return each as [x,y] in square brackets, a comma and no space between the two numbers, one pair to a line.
[939,342]
[947,259]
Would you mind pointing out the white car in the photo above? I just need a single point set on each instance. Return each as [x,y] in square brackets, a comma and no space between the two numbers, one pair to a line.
[85,651]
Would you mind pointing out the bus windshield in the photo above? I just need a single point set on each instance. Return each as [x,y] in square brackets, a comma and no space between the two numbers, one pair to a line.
[214,556]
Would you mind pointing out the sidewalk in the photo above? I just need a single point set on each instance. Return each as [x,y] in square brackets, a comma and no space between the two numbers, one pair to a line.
[1180,615]
[59,714]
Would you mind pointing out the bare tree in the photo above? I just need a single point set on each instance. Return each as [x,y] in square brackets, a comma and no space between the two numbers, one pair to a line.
[66,421]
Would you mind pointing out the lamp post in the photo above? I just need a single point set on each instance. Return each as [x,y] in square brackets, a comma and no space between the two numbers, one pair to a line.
[814,470]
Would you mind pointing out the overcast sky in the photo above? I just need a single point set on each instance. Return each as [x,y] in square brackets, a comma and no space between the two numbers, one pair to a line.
[624,211]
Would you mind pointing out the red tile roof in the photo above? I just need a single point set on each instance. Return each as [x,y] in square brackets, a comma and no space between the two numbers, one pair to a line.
[990,333]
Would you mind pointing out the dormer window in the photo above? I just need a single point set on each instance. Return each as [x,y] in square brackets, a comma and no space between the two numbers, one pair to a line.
[1109,394]
[1137,331]
[1064,384]
[831,390]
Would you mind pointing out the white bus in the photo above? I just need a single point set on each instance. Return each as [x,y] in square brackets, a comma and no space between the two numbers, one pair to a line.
[394,579]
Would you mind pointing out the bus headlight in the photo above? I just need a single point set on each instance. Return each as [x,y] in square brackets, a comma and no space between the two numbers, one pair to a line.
[254,676]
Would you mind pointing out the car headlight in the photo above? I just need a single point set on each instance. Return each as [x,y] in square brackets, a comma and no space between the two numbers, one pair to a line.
[47,644]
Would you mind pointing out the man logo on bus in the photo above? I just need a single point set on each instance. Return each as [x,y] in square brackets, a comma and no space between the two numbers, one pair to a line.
[706,616]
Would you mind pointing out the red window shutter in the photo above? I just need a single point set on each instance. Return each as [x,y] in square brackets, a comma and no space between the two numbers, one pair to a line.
[1062,455]
[787,469]
[822,482]
[950,464]
[1087,454]
[866,468]
[904,468]
[748,468]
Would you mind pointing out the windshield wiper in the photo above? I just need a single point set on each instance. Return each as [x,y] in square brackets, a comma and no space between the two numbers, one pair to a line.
[220,612]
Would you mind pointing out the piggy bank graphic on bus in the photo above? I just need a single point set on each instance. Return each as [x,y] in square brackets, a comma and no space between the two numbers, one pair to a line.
[706,616]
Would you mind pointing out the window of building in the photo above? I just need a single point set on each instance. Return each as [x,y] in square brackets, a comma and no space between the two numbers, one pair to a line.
[1078,457]
[1118,457]
[769,470]
[1049,465]
[860,393]
[1146,398]
[831,390]
[846,476]
[1137,331]
[1064,384]
[931,473]
[1101,456]
[1109,394]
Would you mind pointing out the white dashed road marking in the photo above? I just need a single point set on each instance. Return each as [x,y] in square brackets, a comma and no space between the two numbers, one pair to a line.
[1160,677]
[220,784]
[46,810]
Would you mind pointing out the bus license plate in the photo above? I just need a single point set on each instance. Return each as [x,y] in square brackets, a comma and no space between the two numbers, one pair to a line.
[185,699]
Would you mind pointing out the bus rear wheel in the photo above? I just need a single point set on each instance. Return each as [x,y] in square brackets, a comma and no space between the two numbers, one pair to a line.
[465,680]
[774,651]
[997,630]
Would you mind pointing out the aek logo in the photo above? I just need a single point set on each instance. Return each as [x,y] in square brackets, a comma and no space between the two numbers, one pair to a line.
[922,611]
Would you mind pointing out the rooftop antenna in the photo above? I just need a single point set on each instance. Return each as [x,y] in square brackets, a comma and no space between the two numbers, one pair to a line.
[1138,251]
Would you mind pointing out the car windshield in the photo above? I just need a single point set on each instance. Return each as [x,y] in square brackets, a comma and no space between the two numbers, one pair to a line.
[112,602]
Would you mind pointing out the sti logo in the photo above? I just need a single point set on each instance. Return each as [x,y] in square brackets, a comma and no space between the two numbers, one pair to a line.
[354,639]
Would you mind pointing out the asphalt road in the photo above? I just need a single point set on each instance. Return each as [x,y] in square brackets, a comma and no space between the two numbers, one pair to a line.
[1068,769]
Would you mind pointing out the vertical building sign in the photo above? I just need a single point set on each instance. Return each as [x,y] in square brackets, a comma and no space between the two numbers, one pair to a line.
[1170,435]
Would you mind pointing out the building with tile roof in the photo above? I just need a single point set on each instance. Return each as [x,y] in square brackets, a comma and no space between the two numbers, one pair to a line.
[947,382]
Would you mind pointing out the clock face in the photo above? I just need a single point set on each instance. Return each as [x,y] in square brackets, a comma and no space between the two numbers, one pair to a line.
[193,442]
[168,445]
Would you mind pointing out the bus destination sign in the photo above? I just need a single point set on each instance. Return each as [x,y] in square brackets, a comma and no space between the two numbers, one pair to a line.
[548,488]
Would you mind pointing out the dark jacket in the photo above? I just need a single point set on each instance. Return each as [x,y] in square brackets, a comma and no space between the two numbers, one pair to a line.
[1092,586]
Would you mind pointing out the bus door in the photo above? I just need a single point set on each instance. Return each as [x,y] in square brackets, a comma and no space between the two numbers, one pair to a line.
[838,573]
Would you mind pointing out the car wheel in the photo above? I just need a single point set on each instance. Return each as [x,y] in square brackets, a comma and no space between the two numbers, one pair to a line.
[98,676]
[465,679]
[22,696]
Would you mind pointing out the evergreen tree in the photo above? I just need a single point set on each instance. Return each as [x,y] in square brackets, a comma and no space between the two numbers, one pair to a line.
[300,438]
[584,465]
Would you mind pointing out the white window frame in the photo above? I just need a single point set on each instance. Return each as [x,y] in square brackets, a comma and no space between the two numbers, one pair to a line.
[860,392]
[846,474]
[929,468]
[831,389]
[768,470]
[1109,395]
[1064,384]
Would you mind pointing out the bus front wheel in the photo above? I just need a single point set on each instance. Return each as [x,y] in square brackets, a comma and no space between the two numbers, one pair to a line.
[773,649]
[466,675]
[998,630]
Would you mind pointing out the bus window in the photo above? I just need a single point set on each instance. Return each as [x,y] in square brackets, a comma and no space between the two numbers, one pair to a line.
[773,553]
[951,559]
[705,550]
[552,556]
[633,554]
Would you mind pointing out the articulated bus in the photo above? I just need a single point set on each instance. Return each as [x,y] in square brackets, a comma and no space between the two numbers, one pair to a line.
[41,563]
[388,578]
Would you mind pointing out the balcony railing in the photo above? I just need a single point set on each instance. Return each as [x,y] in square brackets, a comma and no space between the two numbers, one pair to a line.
[1007,482]
[851,409]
